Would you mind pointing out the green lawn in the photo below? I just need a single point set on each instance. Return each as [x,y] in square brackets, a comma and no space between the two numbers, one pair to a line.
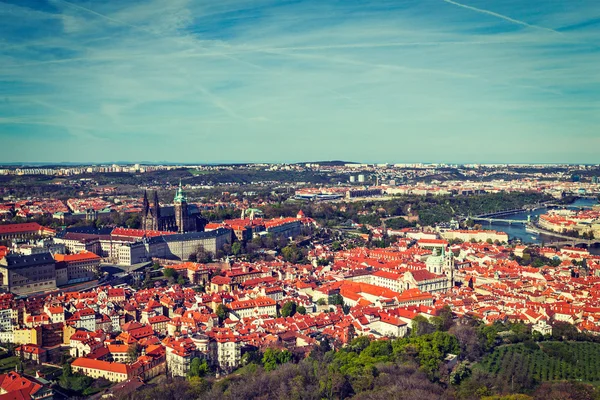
[196,172]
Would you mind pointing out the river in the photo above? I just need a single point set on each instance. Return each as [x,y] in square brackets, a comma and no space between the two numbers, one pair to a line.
[518,231]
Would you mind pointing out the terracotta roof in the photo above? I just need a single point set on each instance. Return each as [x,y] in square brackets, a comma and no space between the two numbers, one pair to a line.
[22,228]
[13,382]
[84,255]
[101,365]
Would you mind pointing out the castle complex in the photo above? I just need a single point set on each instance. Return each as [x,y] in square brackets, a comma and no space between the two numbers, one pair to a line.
[180,217]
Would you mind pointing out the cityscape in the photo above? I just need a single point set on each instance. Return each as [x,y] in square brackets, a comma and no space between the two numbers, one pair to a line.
[299,200]
[141,276]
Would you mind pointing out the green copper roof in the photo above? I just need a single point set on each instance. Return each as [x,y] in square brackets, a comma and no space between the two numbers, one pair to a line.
[179,195]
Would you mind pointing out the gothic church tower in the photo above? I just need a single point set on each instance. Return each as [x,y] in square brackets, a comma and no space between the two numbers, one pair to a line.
[181,211]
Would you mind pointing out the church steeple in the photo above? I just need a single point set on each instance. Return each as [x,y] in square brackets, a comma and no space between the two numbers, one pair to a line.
[156,205]
[181,210]
[145,204]
[179,195]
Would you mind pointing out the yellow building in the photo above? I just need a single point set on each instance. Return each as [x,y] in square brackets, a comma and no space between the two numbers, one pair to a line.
[68,331]
[28,336]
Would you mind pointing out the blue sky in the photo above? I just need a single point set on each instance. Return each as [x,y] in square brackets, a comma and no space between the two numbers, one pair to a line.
[276,81]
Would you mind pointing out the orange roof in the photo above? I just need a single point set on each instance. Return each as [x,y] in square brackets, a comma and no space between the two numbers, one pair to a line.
[101,365]
[139,233]
[432,241]
[221,280]
[84,255]
[23,228]
[118,348]
[13,382]
[387,275]
[259,302]
[158,319]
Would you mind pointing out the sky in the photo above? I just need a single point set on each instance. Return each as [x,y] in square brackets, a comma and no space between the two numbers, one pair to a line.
[203,81]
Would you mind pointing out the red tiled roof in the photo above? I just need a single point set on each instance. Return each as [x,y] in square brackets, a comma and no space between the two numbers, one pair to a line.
[259,302]
[23,228]
[13,382]
[84,255]
[101,365]
[432,241]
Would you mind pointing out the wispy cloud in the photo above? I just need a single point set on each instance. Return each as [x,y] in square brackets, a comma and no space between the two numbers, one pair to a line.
[267,80]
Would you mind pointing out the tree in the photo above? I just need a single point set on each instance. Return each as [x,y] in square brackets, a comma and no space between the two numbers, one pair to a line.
[324,261]
[169,273]
[252,357]
[222,312]
[291,253]
[198,368]
[147,283]
[564,331]
[236,248]
[203,256]
[288,309]
[445,315]
[336,300]
[321,301]
[421,326]
[460,373]
[67,370]
[181,280]
[346,308]
[272,358]
[134,351]
[301,310]
[134,221]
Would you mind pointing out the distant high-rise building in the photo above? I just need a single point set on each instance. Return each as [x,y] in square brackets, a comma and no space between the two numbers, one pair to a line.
[361,178]
[352,179]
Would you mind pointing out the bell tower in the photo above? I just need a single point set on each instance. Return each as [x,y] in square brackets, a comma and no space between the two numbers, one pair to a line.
[181,211]
[448,267]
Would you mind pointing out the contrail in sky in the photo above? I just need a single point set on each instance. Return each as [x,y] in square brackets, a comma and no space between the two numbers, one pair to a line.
[504,17]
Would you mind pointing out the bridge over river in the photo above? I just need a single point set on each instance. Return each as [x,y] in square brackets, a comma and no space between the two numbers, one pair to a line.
[500,220]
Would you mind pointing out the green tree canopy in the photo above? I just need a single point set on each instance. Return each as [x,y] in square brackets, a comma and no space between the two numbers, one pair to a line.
[222,312]
[288,309]
[169,273]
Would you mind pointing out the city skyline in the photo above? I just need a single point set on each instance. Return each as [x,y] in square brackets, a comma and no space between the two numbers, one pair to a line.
[196,82]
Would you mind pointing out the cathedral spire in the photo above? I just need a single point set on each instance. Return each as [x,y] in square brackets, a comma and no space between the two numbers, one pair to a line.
[179,195]
[156,205]
[145,203]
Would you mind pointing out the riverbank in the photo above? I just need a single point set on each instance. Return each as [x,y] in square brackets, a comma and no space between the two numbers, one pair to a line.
[519,232]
